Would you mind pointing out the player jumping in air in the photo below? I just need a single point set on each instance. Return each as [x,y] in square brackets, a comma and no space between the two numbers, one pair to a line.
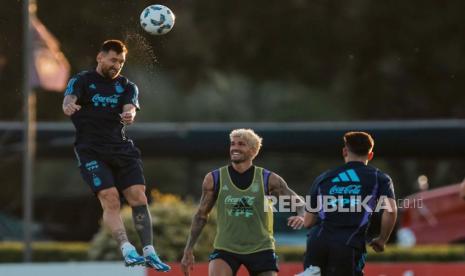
[101,103]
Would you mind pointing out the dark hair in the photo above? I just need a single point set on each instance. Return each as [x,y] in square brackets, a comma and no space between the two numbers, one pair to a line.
[358,142]
[113,45]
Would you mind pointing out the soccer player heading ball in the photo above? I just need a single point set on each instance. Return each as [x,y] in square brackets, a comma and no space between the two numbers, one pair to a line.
[101,103]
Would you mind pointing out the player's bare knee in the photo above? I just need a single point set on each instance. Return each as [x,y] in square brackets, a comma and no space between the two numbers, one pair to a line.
[219,267]
[137,199]
[135,195]
[110,200]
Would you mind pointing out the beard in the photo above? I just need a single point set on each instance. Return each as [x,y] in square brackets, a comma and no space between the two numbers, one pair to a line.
[237,161]
[110,73]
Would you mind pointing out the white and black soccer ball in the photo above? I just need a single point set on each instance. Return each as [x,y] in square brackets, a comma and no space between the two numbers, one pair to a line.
[157,19]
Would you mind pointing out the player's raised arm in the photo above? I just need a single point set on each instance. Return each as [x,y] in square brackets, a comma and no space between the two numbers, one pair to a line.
[278,187]
[130,104]
[74,91]
[69,105]
[129,113]
[207,201]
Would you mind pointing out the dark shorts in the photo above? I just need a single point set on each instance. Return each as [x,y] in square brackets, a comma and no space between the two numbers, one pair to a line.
[255,263]
[334,258]
[103,167]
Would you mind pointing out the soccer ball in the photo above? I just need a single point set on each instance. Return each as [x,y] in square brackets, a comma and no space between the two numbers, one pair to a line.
[157,19]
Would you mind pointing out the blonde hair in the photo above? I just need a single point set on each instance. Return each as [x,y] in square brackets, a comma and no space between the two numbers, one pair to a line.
[252,139]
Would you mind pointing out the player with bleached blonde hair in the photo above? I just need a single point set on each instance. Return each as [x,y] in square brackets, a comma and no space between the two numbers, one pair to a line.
[251,138]
[244,233]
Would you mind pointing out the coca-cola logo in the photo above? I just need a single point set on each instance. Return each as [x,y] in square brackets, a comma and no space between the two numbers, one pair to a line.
[244,199]
[100,100]
[345,190]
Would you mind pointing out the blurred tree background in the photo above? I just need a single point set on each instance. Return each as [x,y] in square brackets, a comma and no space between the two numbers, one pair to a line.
[250,61]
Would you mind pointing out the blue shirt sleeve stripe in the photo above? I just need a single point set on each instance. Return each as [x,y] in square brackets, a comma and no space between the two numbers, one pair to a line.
[216,176]
[70,87]
[266,177]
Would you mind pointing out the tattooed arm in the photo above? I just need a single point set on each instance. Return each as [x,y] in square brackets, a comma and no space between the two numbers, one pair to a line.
[278,187]
[207,201]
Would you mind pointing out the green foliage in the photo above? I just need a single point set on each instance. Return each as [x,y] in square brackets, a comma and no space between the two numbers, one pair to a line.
[355,52]
[229,60]
[45,251]
[231,97]
[171,219]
